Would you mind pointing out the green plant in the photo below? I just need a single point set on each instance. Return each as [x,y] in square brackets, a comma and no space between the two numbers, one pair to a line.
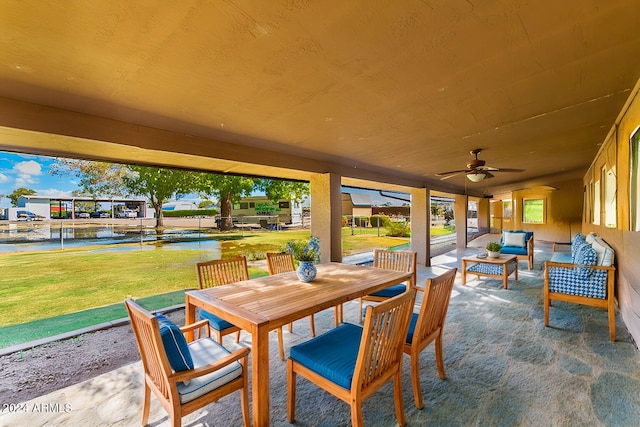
[399,229]
[305,250]
[380,221]
[493,247]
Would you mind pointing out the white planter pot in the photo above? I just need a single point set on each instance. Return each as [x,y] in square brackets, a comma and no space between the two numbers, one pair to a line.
[493,254]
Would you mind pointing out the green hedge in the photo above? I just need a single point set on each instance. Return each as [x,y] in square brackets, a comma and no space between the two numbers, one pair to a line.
[191,213]
[380,221]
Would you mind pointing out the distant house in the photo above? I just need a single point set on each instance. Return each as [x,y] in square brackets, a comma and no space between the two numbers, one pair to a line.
[356,204]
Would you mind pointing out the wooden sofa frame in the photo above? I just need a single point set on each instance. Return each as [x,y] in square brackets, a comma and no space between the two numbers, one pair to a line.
[608,303]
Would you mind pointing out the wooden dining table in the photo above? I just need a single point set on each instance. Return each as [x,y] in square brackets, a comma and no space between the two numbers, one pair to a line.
[263,304]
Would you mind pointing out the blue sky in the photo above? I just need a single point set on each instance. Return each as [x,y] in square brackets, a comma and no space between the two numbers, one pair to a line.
[24,170]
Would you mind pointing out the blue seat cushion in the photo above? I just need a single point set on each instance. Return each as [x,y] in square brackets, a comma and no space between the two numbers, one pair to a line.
[216,323]
[391,291]
[412,328]
[206,351]
[175,345]
[514,250]
[561,257]
[332,354]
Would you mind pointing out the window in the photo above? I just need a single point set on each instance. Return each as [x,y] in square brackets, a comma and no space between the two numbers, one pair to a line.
[507,209]
[610,186]
[283,205]
[244,205]
[596,203]
[533,211]
[635,180]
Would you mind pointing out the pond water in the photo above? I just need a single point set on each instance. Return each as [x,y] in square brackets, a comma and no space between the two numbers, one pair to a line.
[50,236]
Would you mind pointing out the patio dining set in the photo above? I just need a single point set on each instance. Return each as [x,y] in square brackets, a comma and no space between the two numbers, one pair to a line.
[186,368]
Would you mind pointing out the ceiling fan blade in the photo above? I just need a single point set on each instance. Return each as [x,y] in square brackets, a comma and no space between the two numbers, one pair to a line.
[450,175]
[488,175]
[452,172]
[492,169]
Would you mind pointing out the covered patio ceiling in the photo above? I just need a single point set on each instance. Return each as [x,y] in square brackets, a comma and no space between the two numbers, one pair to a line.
[388,91]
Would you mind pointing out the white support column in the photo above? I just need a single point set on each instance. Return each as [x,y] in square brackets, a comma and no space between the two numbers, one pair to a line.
[460,207]
[326,215]
[420,224]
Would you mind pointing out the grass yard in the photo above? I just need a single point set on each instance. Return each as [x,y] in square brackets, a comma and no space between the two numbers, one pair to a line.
[40,285]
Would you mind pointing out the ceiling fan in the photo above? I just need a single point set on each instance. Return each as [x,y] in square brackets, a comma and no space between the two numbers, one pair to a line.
[476,169]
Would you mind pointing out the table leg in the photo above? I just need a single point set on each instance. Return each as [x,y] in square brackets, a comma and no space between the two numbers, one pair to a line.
[464,272]
[260,375]
[516,261]
[505,275]
[189,317]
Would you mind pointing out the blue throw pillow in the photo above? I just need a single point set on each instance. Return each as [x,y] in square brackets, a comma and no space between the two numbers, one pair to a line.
[175,345]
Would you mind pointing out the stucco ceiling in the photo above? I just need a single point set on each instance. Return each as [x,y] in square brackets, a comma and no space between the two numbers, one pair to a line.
[399,89]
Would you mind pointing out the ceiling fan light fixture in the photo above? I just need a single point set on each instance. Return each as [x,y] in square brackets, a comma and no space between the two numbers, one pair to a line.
[476,176]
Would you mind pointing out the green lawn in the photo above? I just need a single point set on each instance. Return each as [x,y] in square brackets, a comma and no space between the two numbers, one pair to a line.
[84,287]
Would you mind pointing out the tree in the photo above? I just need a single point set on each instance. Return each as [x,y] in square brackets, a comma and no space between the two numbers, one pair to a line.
[229,189]
[96,178]
[159,185]
[20,192]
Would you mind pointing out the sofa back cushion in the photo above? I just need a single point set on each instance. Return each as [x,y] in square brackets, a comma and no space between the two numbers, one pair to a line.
[604,253]
[516,238]
[513,238]
[586,256]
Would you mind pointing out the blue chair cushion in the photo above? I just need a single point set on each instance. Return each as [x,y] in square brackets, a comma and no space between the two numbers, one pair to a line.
[514,250]
[412,328]
[332,354]
[175,345]
[206,351]
[391,291]
[216,323]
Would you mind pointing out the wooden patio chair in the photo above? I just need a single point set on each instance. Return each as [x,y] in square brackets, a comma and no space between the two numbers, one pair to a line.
[283,263]
[217,273]
[427,326]
[391,260]
[351,362]
[185,377]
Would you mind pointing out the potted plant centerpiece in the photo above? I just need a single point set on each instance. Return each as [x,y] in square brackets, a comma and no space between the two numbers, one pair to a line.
[493,249]
[306,252]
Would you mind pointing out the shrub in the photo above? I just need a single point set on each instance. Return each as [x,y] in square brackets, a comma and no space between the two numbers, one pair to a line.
[380,221]
[399,229]
[345,221]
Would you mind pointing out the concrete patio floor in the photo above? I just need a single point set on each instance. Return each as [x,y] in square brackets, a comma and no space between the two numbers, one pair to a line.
[503,368]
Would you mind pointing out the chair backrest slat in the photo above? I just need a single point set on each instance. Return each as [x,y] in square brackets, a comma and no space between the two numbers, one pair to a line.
[435,304]
[154,359]
[222,271]
[384,331]
[404,261]
[280,263]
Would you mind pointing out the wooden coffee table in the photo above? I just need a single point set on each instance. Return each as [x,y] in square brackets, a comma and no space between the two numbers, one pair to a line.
[500,267]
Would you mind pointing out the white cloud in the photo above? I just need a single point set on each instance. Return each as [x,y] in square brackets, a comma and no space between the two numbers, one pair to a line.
[3,178]
[53,193]
[26,173]
[30,167]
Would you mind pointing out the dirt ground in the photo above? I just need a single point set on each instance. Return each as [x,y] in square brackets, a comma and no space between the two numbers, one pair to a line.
[41,370]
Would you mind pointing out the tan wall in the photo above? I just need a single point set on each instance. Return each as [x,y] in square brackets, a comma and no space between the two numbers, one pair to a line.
[626,243]
[563,204]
